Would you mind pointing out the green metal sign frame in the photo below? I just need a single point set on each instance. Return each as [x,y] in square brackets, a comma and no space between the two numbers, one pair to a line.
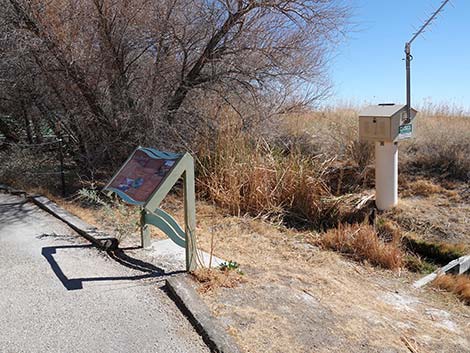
[152,214]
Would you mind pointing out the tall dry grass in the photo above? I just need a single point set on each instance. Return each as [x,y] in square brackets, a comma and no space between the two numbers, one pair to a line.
[333,133]
[442,145]
[247,176]
[364,244]
[304,168]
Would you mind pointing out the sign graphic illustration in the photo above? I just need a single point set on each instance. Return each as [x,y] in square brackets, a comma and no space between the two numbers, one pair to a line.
[142,173]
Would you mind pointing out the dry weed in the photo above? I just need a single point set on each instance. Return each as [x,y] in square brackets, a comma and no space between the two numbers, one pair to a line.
[388,230]
[460,285]
[363,243]
[427,188]
[212,278]
[422,187]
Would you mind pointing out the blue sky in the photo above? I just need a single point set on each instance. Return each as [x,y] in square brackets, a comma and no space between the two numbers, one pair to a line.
[369,67]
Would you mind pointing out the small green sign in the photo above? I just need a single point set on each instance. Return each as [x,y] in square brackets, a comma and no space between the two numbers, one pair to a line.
[405,131]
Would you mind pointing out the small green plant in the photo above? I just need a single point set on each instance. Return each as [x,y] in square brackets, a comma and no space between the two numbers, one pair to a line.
[231,266]
[387,229]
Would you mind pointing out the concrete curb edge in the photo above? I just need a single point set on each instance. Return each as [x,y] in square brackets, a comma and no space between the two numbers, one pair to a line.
[190,303]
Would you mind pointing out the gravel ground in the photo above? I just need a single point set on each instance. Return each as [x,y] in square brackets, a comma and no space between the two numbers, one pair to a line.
[59,294]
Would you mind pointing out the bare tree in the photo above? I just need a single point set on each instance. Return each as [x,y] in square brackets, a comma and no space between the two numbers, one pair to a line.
[114,73]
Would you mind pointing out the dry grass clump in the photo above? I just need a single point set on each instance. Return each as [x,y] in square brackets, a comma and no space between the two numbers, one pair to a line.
[212,278]
[460,285]
[246,176]
[363,243]
[387,229]
[260,177]
[441,146]
[422,187]
[426,188]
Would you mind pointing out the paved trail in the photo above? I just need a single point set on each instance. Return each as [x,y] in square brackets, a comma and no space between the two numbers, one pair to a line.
[59,294]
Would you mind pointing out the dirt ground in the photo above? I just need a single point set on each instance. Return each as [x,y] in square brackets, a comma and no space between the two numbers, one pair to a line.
[442,215]
[298,298]
[295,297]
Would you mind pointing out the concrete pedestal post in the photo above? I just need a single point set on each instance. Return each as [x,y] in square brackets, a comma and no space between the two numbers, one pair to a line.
[386,175]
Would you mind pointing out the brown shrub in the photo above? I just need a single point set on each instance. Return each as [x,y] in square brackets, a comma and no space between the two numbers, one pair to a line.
[363,243]
[460,285]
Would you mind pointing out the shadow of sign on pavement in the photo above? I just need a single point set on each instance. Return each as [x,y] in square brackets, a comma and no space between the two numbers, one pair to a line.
[150,271]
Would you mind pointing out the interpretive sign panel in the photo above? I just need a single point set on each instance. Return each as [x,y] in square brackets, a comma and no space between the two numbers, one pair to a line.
[145,179]
[142,174]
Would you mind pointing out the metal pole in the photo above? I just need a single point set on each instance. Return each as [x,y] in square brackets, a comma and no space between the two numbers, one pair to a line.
[62,174]
[145,240]
[408,59]
[190,216]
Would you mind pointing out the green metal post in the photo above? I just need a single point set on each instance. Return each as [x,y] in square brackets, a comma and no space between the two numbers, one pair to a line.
[144,231]
[190,216]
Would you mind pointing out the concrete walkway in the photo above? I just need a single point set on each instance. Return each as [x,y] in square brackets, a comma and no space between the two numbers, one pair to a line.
[59,294]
